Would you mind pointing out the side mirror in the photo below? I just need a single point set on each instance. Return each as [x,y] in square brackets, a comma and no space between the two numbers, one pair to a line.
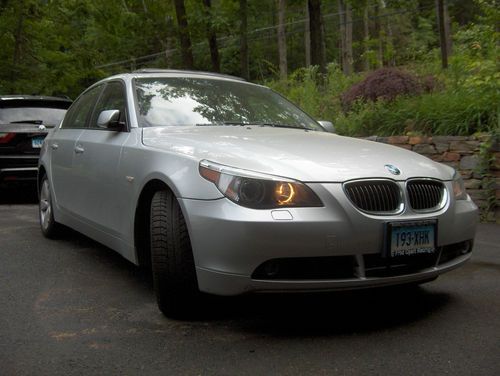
[110,119]
[327,126]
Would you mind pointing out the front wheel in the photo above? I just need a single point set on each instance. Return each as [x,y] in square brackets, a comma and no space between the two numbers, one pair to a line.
[50,228]
[172,261]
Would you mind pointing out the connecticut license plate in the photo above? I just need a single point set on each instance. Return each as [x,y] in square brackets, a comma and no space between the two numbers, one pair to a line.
[36,142]
[411,238]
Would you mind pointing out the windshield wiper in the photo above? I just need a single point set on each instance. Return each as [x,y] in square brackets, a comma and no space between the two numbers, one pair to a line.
[278,125]
[235,122]
[255,123]
[222,123]
[27,121]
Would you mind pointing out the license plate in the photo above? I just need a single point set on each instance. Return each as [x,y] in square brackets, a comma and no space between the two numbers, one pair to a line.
[412,239]
[36,142]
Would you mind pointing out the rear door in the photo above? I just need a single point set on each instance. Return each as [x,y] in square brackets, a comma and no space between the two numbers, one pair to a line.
[100,188]
[62,144]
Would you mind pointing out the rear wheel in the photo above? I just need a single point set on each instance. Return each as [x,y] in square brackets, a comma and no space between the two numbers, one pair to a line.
[50,228]
[172,262]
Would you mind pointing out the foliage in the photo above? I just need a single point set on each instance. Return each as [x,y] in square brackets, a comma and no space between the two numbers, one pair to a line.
[461,100]
[383,84]
[319,100]
[458,112]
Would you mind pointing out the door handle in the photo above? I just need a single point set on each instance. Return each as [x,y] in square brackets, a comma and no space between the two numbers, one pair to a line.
[79,149]
[54,146]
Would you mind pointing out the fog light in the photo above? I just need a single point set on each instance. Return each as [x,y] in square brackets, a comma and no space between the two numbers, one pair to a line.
[466,247]
[271,268]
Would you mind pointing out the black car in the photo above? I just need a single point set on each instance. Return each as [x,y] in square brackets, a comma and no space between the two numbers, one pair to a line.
[24,123]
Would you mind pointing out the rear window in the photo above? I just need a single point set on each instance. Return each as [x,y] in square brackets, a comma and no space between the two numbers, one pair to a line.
[48,113]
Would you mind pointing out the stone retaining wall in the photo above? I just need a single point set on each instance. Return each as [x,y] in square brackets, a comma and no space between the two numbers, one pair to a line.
[468,155]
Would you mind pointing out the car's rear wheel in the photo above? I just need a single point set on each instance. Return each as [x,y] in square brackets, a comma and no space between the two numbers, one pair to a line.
[172,261]
[50,228]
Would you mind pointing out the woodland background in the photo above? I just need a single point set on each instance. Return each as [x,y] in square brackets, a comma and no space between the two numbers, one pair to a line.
[371,66]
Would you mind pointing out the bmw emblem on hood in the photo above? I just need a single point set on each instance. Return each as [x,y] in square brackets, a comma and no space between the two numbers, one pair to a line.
[392,169]
[41,127]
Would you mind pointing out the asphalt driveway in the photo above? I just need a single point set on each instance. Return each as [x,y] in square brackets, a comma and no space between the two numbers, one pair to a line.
[72,306]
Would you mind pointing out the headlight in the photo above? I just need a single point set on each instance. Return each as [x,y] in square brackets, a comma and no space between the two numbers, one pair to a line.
[458,187]
[258,191]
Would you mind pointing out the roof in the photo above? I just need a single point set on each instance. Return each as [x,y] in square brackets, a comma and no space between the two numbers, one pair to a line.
[178,71]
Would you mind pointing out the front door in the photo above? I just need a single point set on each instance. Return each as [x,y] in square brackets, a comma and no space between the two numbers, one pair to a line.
[96,164]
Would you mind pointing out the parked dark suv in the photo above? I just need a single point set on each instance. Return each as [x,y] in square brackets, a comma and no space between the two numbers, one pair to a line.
[24,123]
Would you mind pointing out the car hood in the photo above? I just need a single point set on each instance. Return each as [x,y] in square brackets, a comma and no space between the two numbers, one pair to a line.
[307,156]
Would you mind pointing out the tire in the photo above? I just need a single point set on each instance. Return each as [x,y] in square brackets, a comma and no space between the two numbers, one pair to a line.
[50,228]
[172,262]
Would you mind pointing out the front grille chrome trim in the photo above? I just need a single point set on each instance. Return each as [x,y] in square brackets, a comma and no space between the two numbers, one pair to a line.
[429,191]
[375,196]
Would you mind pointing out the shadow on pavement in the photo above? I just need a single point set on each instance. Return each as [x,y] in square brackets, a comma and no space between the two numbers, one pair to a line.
[18,194]
[330,313]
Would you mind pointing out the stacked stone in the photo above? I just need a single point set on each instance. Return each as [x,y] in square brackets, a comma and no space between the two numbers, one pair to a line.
[461,153]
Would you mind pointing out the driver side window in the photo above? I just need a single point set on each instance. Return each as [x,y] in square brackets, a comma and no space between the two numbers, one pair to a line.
[112,98]
[79,113]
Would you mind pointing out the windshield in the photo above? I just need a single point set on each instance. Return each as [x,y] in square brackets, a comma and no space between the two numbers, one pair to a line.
[210,102]
[34,115]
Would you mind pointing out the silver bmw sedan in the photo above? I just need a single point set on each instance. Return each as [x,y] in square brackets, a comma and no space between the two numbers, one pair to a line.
[225,187]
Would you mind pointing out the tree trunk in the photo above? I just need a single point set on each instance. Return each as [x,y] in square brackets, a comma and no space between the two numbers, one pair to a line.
[307,37]
[18,38]
[282,38]
[212,37]
[378,33]
[348,39]
[345,26]
[245,73]
[184,38]
[442,33]
[366,37]
[169,51]
[342,33]
[317,50]
[447,28]
[389,37]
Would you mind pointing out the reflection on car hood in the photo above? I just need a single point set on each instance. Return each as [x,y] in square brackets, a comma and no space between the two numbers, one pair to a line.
[303,155]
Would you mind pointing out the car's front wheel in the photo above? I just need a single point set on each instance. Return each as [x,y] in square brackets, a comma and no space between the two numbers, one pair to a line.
[50,228]
[172,262]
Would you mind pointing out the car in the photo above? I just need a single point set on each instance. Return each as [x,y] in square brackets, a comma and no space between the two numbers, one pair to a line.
[224,187]
[25,120]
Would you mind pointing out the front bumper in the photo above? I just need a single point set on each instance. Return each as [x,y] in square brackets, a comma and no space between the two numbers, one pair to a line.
[230,243]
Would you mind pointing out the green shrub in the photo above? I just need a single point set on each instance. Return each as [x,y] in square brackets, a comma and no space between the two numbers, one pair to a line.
[458,112]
